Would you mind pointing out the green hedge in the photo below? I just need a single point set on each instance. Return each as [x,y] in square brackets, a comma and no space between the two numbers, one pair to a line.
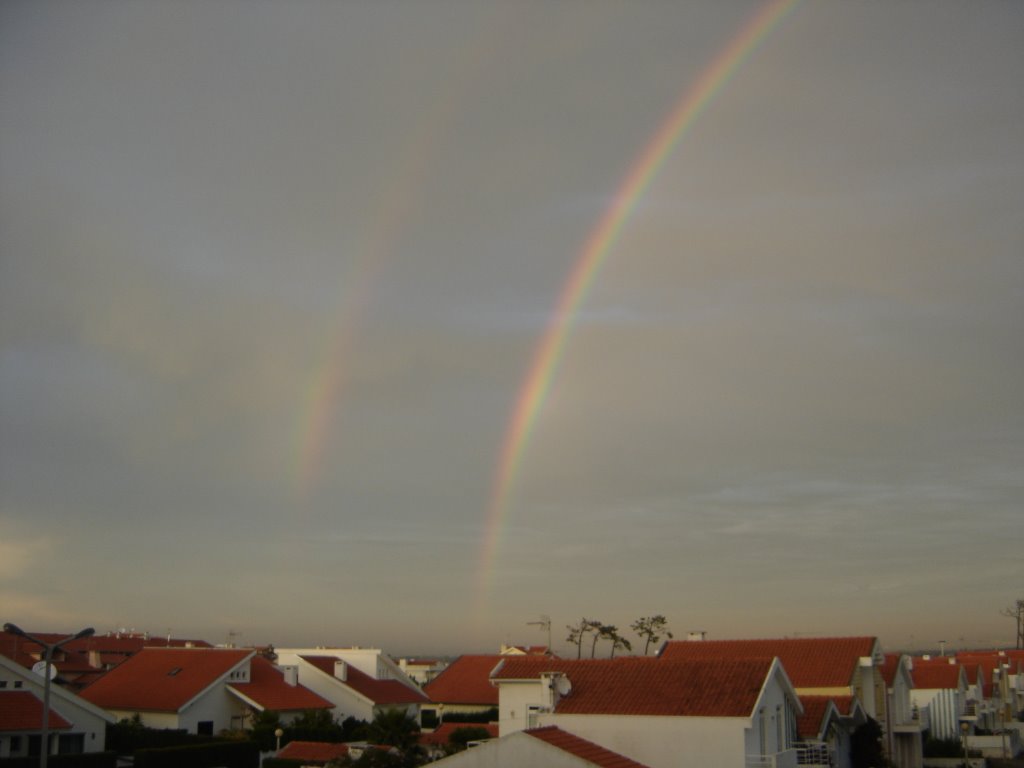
[80,760]
[125,737]
[280,762]
[231,754]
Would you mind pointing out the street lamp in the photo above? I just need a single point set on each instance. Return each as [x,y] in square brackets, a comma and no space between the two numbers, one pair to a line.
[279,732]
[47,658]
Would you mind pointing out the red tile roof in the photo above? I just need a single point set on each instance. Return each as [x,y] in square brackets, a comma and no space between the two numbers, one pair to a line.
[467,681]
[890,667]
[847,705]
[810,662]
[377,691]
[650,686]
[443,733]
[811,724]
[581,748]
[22,711]
[935,676]
[267,687]
[382,691]
[312,751]
[162,679]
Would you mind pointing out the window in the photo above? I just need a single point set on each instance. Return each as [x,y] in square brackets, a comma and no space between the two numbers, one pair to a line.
[71,743]
[3,683]
[17,683]
[762,736]
[204,728]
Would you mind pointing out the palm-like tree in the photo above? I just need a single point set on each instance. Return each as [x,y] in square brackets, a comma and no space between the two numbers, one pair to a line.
[395,728]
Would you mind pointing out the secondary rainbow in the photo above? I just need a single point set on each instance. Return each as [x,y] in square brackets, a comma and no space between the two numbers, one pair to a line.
[548,354]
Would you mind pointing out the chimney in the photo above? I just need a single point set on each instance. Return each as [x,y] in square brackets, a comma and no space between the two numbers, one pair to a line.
[94,659]
[341,670]
[696,635]
[291,674]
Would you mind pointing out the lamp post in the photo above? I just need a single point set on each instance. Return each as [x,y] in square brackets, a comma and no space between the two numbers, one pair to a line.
[279,732]
[49,648]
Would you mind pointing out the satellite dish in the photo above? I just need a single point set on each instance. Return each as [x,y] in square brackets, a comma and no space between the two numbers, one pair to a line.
[563,686]
[40,669]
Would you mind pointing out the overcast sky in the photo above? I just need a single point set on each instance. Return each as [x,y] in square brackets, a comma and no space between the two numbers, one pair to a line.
[273,276]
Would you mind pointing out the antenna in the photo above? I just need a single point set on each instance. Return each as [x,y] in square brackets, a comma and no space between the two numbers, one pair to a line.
[544,623]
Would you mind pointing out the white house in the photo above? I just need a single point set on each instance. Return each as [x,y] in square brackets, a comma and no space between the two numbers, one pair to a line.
[661,713]
[75,725]
[826,728]
[200,690]
[941,686]
[905,723]
[359,682]
[550,747]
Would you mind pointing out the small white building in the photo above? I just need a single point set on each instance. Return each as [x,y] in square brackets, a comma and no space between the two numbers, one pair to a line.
[75,725]
[550,747]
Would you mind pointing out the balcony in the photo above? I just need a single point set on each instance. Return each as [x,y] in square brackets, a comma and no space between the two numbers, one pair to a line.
[813,754]
[919,721]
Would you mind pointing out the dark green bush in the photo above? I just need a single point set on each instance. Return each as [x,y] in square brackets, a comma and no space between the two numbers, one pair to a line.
[80,760]
[230,754]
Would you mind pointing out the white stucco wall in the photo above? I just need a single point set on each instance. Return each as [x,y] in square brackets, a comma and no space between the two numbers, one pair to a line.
[85,718]
[518,750]
[944,707]
[217,705]
[347,703]
[665,740]
[661,742]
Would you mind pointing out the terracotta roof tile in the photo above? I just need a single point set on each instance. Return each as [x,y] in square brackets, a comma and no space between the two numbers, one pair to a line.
[811,724]
[810,662]
[382,691]
[377,691]
[267,687]
[443,733]
[650,686]
[313,751]
[935,676]
[890,667]
[162,679]
[22,711]
[593,753]
[466,681]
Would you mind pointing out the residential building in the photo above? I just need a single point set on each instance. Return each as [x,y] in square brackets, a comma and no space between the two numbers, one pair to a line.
[825,730]
[550,747]
[905,723]
[664,714]
[941,685]
[200,690]
[74,725]
[359,682]
[464,687]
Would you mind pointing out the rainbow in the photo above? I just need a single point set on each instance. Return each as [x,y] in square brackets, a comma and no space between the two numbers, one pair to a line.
[548,354]
[412,165]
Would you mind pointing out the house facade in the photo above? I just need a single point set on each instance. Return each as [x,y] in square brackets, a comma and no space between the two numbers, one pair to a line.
[550,747]
[200,690]
[660,713]
[74,726]
[359,682]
